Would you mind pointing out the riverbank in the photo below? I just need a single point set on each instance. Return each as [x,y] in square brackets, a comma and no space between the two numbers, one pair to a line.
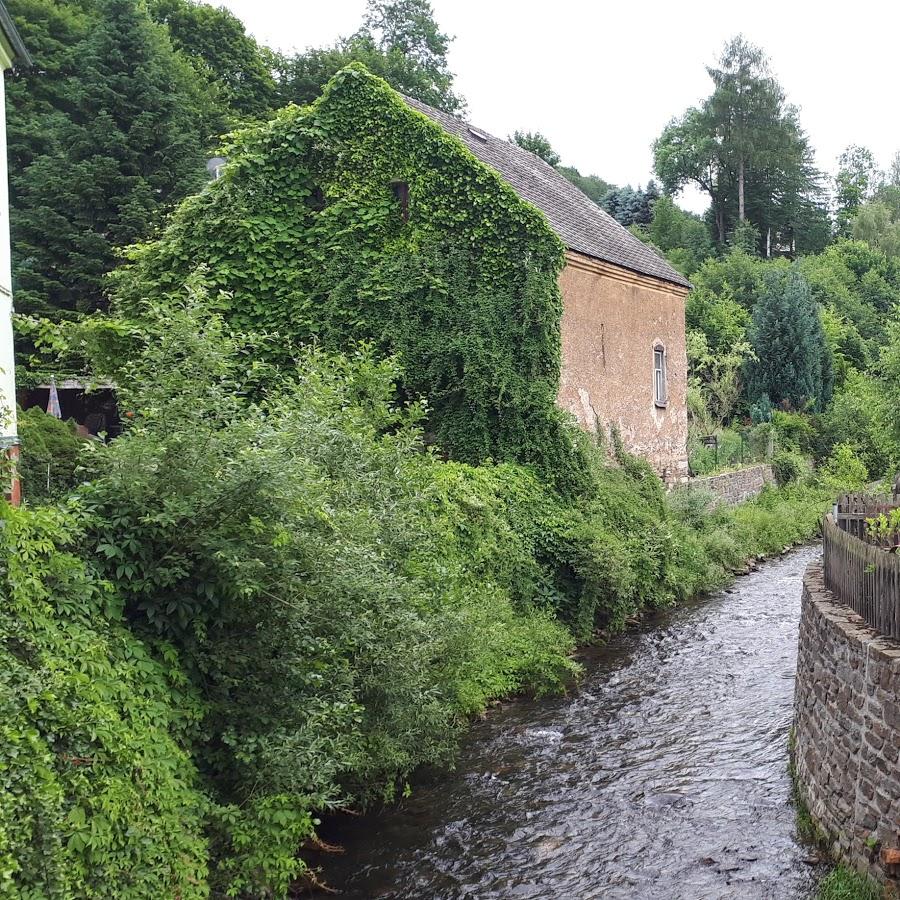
[665,774]
[320,603]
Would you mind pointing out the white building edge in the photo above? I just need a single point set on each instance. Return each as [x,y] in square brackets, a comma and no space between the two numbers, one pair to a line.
[12,53]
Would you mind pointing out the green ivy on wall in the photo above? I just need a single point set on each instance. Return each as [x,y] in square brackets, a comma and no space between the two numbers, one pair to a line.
[306,238]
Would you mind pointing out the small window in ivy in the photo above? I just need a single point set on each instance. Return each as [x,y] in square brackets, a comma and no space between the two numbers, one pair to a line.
[400,190]
[316,199]
[660,389]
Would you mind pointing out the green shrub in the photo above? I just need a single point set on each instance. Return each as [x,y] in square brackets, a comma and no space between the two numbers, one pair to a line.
[49,456]
[692,506]
[793,431]
[99,798]
[844,470]
[330,585]
[788,466]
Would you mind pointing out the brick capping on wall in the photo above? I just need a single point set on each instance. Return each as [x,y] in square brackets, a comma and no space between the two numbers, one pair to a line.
[735,486]
[847,731]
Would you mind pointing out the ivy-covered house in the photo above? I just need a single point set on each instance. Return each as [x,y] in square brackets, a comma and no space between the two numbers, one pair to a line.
[623,359]
[509,297]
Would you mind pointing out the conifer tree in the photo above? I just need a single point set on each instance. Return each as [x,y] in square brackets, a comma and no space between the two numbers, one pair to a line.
[105,133]
[793,365]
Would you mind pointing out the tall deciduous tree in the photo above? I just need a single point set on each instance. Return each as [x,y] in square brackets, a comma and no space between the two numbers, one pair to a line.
[399,40]
[744,104]
[744,147]
[105,132]
[219,48]
[854,184]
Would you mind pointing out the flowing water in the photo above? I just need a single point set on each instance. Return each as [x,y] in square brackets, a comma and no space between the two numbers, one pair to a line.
[664,777]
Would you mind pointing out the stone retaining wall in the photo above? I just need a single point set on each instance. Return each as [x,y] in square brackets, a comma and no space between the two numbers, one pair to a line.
[847,732]
[737,486]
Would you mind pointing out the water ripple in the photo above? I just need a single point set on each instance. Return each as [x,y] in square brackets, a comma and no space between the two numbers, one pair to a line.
[665,777]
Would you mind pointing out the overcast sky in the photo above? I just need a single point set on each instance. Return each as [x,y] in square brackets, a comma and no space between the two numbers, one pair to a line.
[600,80]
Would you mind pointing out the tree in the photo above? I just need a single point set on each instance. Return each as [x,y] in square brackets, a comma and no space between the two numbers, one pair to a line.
[105,133]
[792,364]
[683,237]
[591,185]
[877,225]
[854,183]
[745,102]
[687,152]
[893,173]
[399,40]
[219,48]
[534,142]
[744,147]
[630,206]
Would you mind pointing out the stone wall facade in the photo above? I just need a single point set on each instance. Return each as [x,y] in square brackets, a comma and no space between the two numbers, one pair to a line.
[612,321]
[737,486]
[847,732]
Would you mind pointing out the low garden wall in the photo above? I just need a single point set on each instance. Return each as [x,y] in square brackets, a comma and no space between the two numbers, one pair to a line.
[735,486]
[847,732]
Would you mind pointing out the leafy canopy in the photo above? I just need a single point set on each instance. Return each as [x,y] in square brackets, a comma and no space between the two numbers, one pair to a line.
[534,142]
[745,148]
[398,40]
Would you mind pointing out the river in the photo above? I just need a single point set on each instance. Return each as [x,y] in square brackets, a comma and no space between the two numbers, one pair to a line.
[665,776]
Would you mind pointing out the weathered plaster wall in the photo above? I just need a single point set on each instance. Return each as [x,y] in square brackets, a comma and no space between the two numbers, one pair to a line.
[847,731]
[737,486]
[612,318]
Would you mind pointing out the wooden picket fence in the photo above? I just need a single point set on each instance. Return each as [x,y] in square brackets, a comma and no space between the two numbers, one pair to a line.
[862,576]
[852,510]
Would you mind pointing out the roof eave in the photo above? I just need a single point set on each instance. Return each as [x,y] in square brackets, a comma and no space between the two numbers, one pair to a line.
[682,284]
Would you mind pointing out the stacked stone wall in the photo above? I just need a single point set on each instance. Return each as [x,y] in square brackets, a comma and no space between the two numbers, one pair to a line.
[847,732]
[736,486]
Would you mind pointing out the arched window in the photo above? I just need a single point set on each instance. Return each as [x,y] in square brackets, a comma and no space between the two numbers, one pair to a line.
[660,389]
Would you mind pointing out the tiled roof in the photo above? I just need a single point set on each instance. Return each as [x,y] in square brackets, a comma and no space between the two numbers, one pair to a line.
[581,225]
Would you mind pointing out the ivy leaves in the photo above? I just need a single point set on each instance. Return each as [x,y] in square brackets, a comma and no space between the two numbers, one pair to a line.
[464,292]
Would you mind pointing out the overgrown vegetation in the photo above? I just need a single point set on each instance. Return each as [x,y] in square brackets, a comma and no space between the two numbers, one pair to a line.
[100,798]
[311,243]
[326,600]
[49,454]
[345,513]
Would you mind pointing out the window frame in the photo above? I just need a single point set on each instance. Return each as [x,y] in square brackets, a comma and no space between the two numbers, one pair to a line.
[660,376]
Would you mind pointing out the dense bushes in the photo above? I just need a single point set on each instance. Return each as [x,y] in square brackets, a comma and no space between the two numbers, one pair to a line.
[49,455]
[340,599]
[314,604]
[309,560]
[99,797]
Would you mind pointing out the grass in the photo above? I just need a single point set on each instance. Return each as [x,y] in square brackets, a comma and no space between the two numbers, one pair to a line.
[843,883]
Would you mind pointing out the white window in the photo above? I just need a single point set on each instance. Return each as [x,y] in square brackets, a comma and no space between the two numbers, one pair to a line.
[660,393]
